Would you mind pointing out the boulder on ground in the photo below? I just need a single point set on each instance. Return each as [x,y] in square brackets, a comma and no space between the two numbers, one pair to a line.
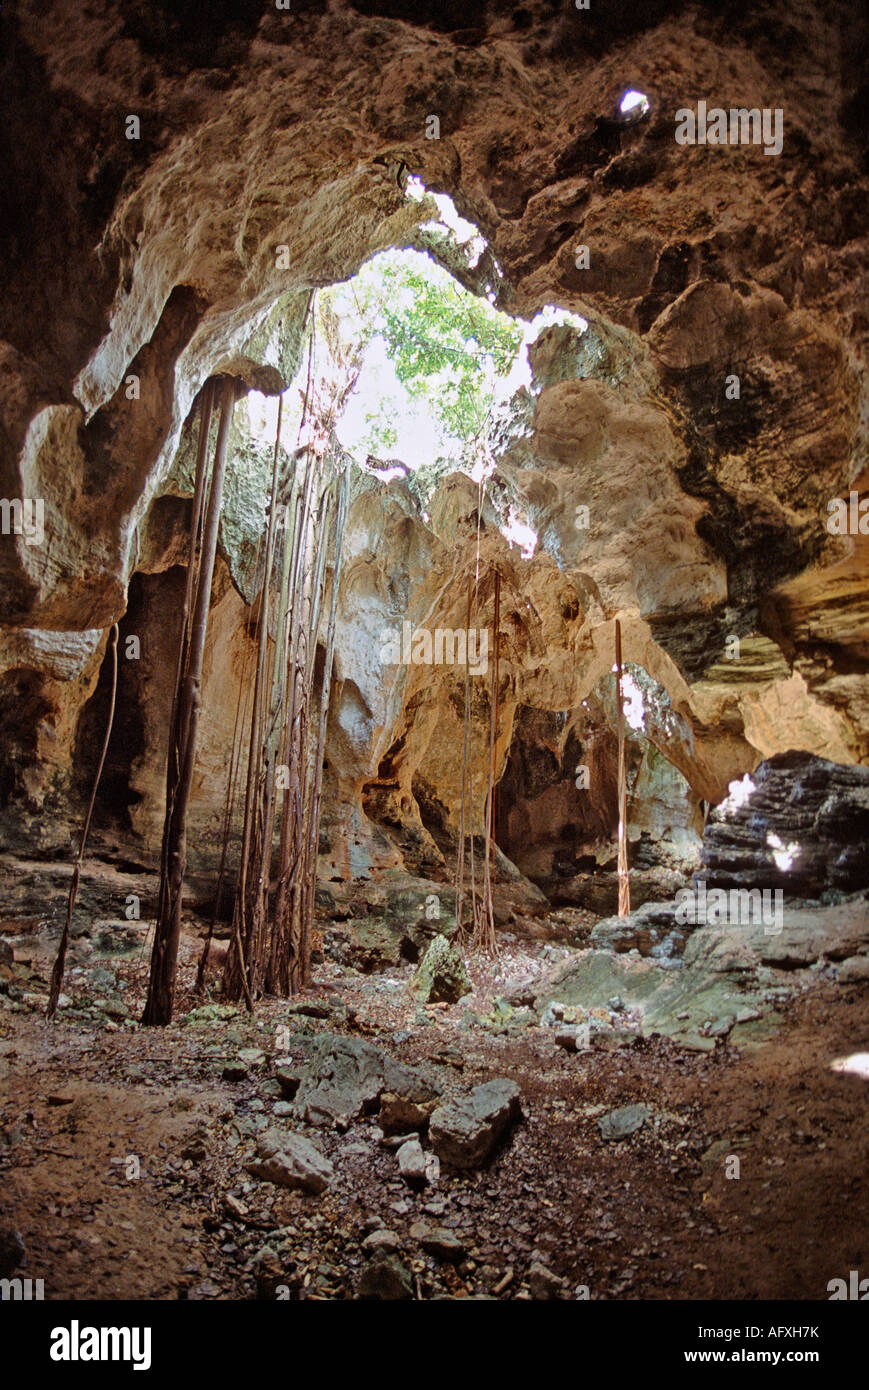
[291,1160]
[653,930]
[464,1132]
[346,1077]
[543,1284]
[441,976]
[384,926]
[443,1245]
[399,1114]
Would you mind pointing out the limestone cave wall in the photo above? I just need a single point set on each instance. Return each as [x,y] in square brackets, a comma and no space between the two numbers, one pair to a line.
[139,267]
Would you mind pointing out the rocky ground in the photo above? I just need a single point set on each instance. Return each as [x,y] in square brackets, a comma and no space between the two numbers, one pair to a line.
[146,1163]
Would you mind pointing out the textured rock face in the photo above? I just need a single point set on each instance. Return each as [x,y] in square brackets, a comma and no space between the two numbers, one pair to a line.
[441,975]
[346,1078]
[155,260]
[797,823]
[464,1132]
[807,935]
[291,1160]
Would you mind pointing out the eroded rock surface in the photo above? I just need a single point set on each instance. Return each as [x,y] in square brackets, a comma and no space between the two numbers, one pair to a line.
[465,1132]
[798,823]
[155,259]
[291,1160]
[346,1076]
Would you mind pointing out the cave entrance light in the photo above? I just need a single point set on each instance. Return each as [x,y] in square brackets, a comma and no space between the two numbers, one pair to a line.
[416,363]
[634,104]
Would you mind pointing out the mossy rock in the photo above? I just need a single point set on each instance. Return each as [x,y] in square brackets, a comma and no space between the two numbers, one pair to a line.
[441,976]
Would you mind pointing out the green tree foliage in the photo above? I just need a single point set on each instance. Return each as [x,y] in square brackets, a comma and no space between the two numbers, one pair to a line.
[446,345]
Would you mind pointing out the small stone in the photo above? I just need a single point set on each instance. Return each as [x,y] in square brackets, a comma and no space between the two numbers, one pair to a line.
[115,1008]
[411,1163]
[205,1289]
[291,1160]
[543,1283]
[235,1070]
[618,1124]
[553,1013]
[289,1076]
[443,1245]
[853,970]
[384,1240]
[573,1037]
[402,1114]
[396,1141]
[385,1278]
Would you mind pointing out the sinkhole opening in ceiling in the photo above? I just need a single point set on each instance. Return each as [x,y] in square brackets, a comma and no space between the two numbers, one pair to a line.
[409,367]
[633,105]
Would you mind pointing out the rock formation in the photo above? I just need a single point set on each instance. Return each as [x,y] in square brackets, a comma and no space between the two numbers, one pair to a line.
[177,187]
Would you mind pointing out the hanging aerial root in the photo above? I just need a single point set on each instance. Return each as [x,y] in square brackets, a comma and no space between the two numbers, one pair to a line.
[164,957]
[486,939]
[60,959]
[624,877]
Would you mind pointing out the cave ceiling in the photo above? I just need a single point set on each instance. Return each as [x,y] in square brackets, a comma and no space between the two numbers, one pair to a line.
[269,155]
